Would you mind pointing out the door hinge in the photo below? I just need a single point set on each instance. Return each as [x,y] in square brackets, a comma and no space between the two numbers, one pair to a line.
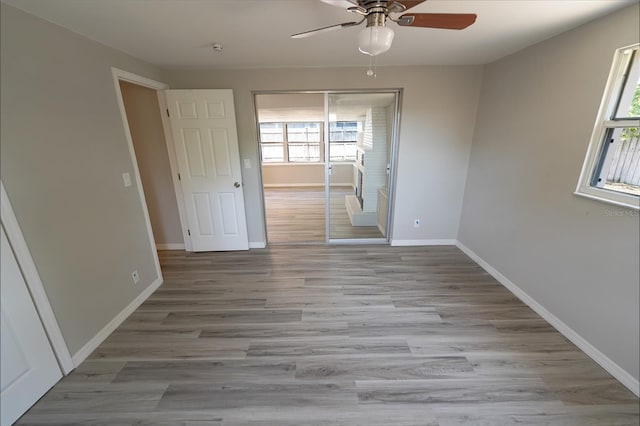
[179,178]
[189,232]
[168,113]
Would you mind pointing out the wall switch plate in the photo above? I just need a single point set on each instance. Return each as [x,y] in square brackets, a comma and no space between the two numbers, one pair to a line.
[127,179]
[135,276]
[247,163]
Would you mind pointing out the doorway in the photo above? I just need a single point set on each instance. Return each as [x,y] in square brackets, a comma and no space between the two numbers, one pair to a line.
[327,162]
[144,122]
[291,135]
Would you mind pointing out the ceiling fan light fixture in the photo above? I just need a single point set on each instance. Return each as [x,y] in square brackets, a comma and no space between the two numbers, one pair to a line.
[375,40]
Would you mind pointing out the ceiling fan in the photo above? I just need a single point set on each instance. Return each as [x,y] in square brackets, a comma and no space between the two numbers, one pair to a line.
[376,38]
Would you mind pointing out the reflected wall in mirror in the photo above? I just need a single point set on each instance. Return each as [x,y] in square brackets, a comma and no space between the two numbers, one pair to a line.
[361,134]
[291,143]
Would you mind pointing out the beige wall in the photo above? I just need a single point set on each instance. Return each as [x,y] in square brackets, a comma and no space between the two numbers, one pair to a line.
[438,115]
[577,257]
[275,175]
[145,124]
[63,155]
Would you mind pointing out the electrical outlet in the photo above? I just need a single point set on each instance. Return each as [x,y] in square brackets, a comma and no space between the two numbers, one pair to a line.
[135,276]
[416,223]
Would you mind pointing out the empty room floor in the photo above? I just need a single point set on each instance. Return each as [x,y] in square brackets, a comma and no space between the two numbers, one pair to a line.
[334,335]
[296,215]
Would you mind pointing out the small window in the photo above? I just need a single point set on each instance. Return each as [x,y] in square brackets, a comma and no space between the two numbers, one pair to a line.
[343,140]
[303,142]
[297,142]
[272,142]
[611,171]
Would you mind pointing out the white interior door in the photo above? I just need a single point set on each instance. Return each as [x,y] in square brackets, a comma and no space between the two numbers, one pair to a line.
[205,138]
[29,366]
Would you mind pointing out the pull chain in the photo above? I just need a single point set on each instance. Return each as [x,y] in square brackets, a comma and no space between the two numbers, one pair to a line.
[371,72]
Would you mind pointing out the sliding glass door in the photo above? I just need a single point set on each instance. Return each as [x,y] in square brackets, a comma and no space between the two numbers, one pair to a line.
[326,162]
[359,147]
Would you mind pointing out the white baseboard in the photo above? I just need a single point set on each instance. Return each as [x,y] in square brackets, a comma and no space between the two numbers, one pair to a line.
[605,362]
[305,185]
[92,344]
[294,185]
[445,242]
[257,244]
[170,246]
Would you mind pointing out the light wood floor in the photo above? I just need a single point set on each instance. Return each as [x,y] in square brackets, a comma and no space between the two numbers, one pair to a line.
[326,335]
[296,215]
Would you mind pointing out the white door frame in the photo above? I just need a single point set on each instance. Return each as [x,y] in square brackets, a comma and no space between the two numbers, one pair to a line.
[159,87]
[34,283]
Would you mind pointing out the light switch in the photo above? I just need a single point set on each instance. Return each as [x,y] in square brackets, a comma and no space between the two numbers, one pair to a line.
[127,179]
[247,163]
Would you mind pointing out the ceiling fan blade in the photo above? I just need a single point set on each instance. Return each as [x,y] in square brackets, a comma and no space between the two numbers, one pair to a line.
[408,4]
[448,21]
[341,3]
[325,29]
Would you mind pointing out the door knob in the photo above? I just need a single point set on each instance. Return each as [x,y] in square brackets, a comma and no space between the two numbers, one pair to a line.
[236,184]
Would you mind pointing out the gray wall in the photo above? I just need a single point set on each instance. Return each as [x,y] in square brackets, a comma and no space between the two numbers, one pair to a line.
[438,113]
[145,124]
[63,155]
[576,257]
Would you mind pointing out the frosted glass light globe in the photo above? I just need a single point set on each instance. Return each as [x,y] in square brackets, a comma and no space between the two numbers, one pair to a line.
[375,40]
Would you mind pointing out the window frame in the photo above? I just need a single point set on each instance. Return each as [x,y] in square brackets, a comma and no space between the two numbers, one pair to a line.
[343,159]
[324,136]
[606,120]
[319,142]
[283,143]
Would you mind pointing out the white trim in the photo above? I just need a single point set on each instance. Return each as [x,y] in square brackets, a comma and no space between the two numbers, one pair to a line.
[34,283]
[138,79]
[308,163]
[445,242]
[92,344]
[605,362]
[143,81]
[622,123]
[327,171]
[363,241]
[293,164]
[609,197]
[170,246]
[257,244]
[305,185]
[294,185]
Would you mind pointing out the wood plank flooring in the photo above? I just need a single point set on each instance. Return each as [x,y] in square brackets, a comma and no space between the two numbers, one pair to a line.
[334,335]
[297,215]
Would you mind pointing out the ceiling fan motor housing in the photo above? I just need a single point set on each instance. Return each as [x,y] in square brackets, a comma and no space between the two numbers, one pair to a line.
[376,18]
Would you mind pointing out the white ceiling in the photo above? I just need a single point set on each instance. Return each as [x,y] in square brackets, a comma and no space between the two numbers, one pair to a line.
[255,33]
